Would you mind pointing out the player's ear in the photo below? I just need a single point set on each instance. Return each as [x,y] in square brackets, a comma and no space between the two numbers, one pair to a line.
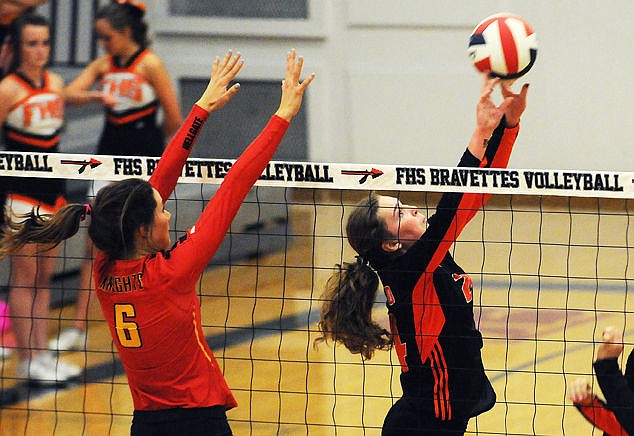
[143,231]
[391,245]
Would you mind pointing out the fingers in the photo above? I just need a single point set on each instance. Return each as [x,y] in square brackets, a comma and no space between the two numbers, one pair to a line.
[488,85]
[612,335]
[580,391]
[292,86]
[306,82]
[294,67]
[228,68]
[507,89]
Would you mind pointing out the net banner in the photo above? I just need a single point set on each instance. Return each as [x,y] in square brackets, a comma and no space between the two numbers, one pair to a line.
[332,175]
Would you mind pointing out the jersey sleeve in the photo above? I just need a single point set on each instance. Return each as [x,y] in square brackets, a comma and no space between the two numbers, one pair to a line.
[598,415]
[453,213]
[194,251]
[500,146]
[170,166]
[618,395]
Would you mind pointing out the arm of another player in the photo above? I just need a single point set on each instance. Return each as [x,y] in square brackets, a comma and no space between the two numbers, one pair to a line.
[159,78]
[592,408]
[215,96]
[618,395]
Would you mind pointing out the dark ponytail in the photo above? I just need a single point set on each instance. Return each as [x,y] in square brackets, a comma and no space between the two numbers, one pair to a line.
[350,293]
[47,229]
[346,313]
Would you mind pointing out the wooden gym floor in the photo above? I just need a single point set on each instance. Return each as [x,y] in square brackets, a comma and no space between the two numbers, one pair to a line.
[570,276]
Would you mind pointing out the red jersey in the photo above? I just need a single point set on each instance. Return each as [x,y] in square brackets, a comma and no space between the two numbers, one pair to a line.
[151,304]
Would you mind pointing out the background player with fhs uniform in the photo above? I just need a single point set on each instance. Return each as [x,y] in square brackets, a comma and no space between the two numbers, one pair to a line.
[429,297]
[32,115]
[134,84]
[147,290]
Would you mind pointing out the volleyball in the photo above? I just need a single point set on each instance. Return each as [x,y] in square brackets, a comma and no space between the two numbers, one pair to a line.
[503,45]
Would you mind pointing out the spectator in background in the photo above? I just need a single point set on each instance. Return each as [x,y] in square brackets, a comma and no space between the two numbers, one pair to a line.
[31,88]
[9,11]
[137,84]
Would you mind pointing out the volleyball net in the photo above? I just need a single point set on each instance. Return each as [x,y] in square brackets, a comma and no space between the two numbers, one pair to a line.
[550,255]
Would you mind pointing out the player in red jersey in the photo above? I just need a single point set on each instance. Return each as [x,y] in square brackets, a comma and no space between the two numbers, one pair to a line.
[147,290]
[614,416]
[429,297]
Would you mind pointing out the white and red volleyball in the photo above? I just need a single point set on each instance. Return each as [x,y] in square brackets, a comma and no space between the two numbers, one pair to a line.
[503,45]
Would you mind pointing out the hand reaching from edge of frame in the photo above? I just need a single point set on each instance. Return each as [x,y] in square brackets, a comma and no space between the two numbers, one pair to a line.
[292,88]
[580,392]
[612,345]
[217,94]
[517,104]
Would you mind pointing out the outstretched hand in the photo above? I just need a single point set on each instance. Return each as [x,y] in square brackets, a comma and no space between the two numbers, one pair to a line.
[517,102]
[292,88]
[216,94]
[488,115]
[580,392]
[612,345]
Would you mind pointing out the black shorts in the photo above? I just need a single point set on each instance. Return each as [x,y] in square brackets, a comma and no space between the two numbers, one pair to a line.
[208,421]
[405,418]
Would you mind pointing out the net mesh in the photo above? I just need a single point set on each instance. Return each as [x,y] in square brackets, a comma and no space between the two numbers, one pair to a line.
[551,268]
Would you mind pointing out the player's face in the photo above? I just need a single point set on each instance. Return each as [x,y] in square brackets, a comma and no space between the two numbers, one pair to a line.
[113,41]
[402,220]
[36,46]
[159,235]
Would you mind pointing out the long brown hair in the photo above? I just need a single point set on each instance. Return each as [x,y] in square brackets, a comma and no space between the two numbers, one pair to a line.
[46,229]
[120,209]
[350,293]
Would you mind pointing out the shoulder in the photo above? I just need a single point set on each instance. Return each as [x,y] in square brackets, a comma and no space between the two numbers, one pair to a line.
[151,64]
[56,82]
[11,90]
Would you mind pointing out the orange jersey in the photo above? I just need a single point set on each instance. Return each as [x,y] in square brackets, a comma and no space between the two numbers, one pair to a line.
[135,96]
[151,304]
[34,123]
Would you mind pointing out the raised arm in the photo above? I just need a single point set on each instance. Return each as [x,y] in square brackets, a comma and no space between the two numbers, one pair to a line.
[215,96]
[202,241]
[618,394]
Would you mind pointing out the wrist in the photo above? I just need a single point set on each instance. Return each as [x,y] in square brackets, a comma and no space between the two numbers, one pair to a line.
[284,115]
[511,124]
